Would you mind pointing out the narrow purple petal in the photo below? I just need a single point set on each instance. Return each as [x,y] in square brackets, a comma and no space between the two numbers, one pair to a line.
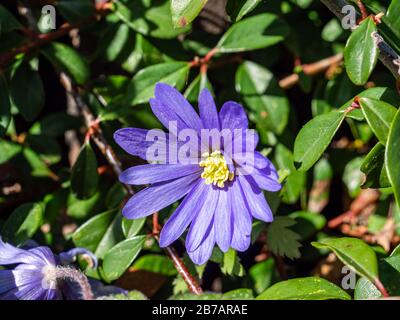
[45,254]
[241,214]
[71,255]
[208,110]
[240,241]
[203,252]
[27,285]
[153,173]
[158,196]
[255,200]
[203,220]
[184,214]
[266,180]
[166,115]
[133,141]
[223,221]
[176,102]
[233,116]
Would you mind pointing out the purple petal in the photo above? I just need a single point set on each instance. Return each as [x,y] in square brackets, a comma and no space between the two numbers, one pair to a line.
[240,241]
[208,110]
[13,255]
[133,141]
[176,102]
[266,179]
[255,200]
[70,256]
[233,116]
[241,214]
[45,254]
[158,196]
[223,221]
[27,285]
[153,173]
[203,252]
[184,214]
[203,220]
[166,115]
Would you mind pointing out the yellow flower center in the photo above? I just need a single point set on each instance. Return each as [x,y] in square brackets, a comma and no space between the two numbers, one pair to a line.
[216,170]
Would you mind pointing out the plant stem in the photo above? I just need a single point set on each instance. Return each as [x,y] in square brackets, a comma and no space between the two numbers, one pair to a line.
[381,288]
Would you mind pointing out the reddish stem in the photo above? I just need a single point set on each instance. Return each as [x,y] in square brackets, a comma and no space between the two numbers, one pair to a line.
[381,288]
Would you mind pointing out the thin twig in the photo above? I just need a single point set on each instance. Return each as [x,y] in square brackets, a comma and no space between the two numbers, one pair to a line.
[311,69]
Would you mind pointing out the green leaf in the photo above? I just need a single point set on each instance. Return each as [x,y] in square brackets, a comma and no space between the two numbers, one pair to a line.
[150,19]
[239,8]
[307,223]
[120,257]
[262,274]
[260,92]
[374,168]
[393,156]
[392,17]
[361,53]
[353,177]
[5,106]
[231,264]
[100,233]
[314,138]
[157,264]
[238,294]
[354,253]
[185,11]
[377,93]
[46,147]
[332,30]
[132,295]
[27,91]
[75,10]
[379,115]
[55,124]
[7,21]
[131,227]
[37,166]
[281,240]
[84,176]
[8,150]
[23,223]
[310,288]
[141,88]
[265,29]
[198,84]
[67,59]
[295,182]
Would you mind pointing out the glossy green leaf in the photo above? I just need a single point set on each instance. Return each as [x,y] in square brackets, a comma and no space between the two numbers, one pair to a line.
[314,138]
[5,106]
[261,93]
[310,288]
[393,156]
[238,294]
[262,274]
[23,223]
[307,223]
[353,177]
[157,264]
[100,233]
[131,227]
[120,257]
[361,53]
[354,253]
[374,168]
[239,8]
[150,19]
[185,11]
[392,17]
[198,84]
[265,29]
[8,150]
[379,115]
[84,176]
[141,88]
[68,60]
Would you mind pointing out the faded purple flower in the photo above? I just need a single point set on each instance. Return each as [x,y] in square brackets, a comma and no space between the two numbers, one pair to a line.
[223,188]
[34,272]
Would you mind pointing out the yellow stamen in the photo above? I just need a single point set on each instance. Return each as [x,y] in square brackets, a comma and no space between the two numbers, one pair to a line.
[216,170]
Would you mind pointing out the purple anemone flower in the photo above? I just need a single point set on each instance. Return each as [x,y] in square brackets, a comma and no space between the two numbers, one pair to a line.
[221,179]
[34,272]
